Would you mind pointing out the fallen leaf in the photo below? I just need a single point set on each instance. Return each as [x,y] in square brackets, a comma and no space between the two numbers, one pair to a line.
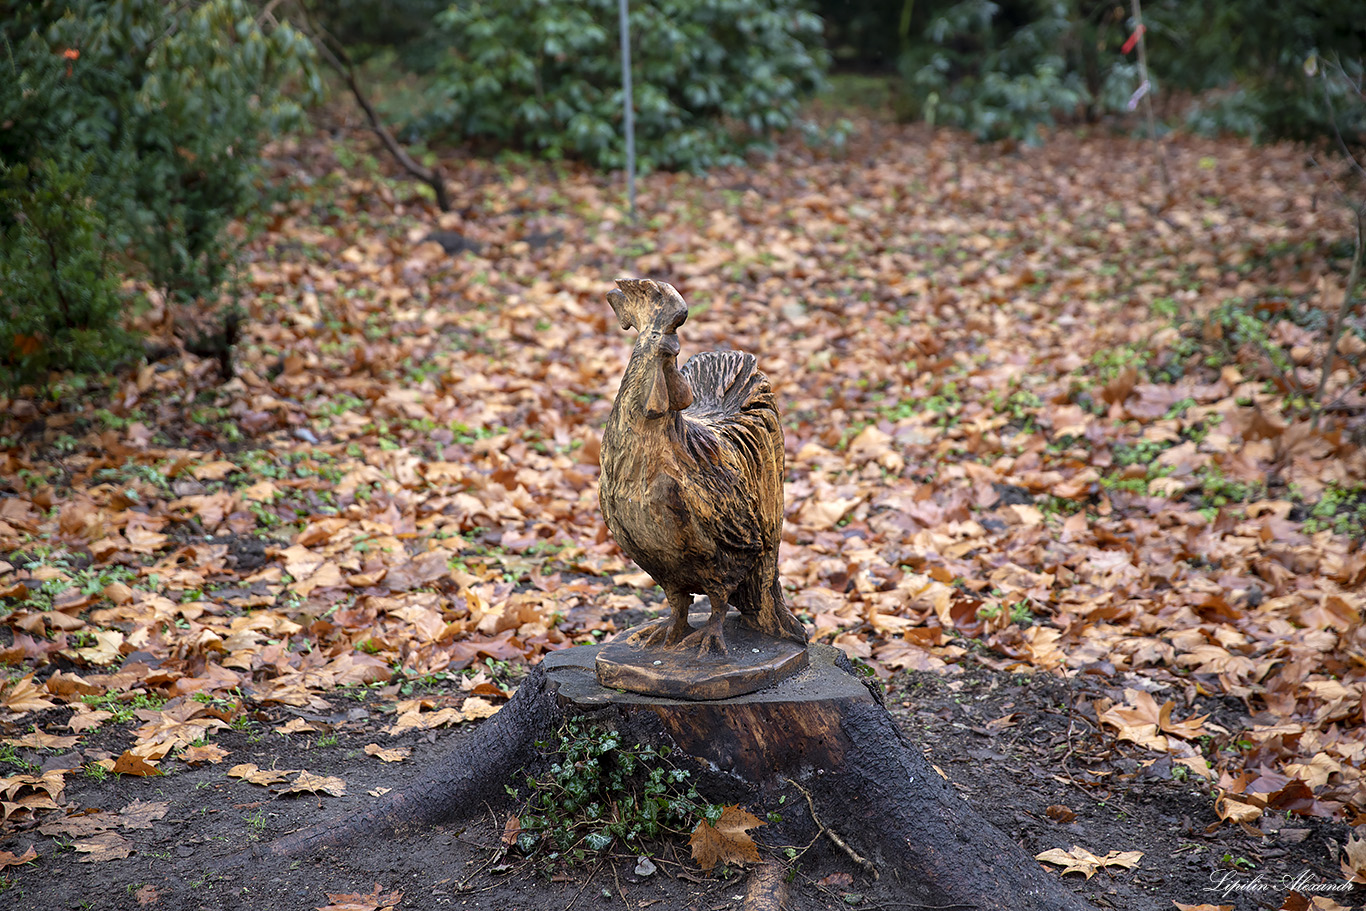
[388,754]
[140,814]
[23,696]
[728,841]
[475,708]
[107,649]
[361,901]
[1080,860]
[1354,859]
[131,763]
[88,720]
[308,783]
[511,829]
[198,755]
[147,895]
[40,740]
[80,825]
[1236,811]
[213,471]
[1000,724]
[10,859]
[1060,813]
[296,726]
[248,771]
[106,846]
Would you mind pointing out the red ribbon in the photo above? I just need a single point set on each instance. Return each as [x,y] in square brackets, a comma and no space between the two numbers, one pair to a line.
[1133,39]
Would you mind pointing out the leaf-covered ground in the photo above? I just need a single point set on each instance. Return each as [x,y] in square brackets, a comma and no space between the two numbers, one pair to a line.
[1039,428]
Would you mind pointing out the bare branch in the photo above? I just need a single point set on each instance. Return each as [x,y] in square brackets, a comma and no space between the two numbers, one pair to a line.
[335,54]
[1333,119]
[1353,275]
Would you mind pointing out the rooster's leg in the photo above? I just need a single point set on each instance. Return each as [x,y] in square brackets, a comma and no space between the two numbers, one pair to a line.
[671,631]
[711,638]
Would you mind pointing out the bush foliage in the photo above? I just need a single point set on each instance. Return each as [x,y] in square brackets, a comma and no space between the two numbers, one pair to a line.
[129,133]
[1009,67]
[713,78]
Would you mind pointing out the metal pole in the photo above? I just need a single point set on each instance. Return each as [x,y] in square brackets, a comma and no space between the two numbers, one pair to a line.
[1147,101]
[628,102]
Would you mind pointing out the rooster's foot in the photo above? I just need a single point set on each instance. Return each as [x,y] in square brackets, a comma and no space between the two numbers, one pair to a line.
[663,633]
[709,640]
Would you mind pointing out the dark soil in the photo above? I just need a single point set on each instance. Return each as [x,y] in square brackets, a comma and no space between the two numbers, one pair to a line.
[1050,756]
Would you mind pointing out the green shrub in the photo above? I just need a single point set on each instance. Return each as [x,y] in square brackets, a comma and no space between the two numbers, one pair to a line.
[129,139]
[713,78]
[1266,58]
[1007,72]
[61,302]
[1011,68]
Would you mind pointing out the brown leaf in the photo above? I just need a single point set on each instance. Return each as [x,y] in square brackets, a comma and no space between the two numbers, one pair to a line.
[361,901]
[209,752]
[1354,859]
[511,829]
[106,846]
[147,895]
[23,696]
[88,720]
[107,649]
[40,740]
[1236,811]
[1080,860]
[214,471]
[81,824]
[248,771]
[131,763]
[1060,813]
[308,783]
[388,754]
[140,814]
[10,859]
[726,842]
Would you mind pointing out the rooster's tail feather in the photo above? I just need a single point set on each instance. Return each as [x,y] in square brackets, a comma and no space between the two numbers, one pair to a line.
[728,384]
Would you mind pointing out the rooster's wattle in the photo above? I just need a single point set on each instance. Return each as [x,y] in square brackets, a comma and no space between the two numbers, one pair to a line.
[692,467]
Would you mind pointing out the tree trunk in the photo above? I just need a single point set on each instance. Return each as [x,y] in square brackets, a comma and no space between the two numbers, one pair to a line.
[822,731]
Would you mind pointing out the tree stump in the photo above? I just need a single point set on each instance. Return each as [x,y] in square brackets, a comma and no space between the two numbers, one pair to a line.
[821,729]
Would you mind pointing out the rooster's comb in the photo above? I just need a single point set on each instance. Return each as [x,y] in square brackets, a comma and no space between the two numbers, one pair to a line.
[647,304]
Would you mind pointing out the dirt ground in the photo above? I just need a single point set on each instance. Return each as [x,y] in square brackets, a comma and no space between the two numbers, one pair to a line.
[1020,749]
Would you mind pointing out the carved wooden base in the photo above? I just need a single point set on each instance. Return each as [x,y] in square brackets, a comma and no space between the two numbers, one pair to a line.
[786,727]
[754,662]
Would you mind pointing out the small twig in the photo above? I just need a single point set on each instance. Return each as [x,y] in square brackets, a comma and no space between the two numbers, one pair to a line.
[460,886]
[499,852]
[591,874]
[620,891]
[864,863]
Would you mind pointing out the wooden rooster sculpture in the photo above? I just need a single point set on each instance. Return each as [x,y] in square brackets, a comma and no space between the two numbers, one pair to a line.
[692,467]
